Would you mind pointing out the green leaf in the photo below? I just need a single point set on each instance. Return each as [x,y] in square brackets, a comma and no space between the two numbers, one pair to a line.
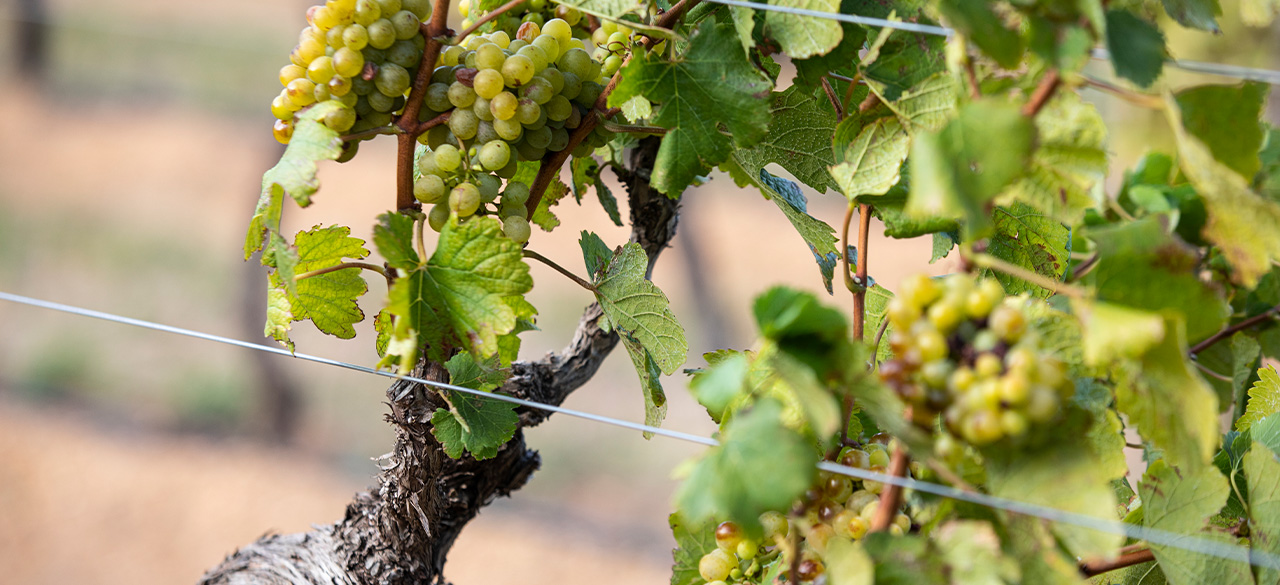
[712,84]
[476,424]
[509,344]
[692,543]
[1116,332]
[926,106]
[804,36]
[637,108]
[457,300]
[788,197]
[1263,473]
[906,560]
[972,553]
[960,169]
[1182,501]
[1170,404]
[1026,237]
[1069,161]
[744,22]
[890,209]
[1264,399]
[328,300]
[1136,47]
[637,306]
[943,242]
[878,298]
[655,400]
[595,253]
[843,59]
[1199,14]
[799,138]
[465,371]
[393,235]
[873,160]
[719,387]
[1143,267]
[295,174]
[976,20]
[1245,226]
[906,60]
[1064,475]
[760,465]
[1227,120]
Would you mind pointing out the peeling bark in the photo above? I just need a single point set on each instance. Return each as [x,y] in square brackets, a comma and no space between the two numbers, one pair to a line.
[401,530]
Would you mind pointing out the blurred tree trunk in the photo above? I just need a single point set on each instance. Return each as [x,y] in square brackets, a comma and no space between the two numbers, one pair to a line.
[32,40]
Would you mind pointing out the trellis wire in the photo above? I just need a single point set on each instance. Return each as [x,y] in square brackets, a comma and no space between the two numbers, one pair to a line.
[1233,71]
[1269,76]
[1162,537]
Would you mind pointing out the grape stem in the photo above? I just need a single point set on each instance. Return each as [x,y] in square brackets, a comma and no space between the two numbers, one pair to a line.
[620,128]
[558,268]
[429,124]
[553,161]
[1095,567]
[435,29]
[1137,99]
[1229,331]
[831,96]
[1048,85]
[891,497]
[370,133]
[342,266]
[998,265]
[499,11]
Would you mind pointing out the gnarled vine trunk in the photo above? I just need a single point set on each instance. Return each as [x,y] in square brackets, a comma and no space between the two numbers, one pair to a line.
[402,529]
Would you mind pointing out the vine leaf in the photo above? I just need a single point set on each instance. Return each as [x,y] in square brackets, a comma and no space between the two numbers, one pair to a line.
[1170,404]
[294,175]
[1064,475]
[1069,161]
[393,236]
[509,344]
[1143,267]
[848,563]
[1113,331]
[960,169]
[693,541]
[458,298]
[720,386]
[1264,399]
[655,400]
[798,139]
[473,423]
[872,162]
[1026,237]
[793,204]
[635,306]
[905,60]
[804,36]
[1262,473]
[1136,47]
[760,465]
[890,210]
[328,300]
[980,24]
[1201,14]
[586,173]
[712,84]
[542,217]
[1244,225]
[1227,120]
[1182,501]
[926,106]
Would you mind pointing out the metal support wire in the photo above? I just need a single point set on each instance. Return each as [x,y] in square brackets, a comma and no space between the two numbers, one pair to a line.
[1162,537]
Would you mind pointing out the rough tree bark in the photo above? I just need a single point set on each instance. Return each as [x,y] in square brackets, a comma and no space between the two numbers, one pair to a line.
[401,530]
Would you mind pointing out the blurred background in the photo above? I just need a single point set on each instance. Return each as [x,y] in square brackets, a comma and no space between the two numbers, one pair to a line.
[135,136]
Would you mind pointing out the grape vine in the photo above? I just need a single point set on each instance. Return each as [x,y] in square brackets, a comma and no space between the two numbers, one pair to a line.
[1081,313]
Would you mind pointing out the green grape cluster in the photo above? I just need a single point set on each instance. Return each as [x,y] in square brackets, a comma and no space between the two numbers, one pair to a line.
[360,53]
[964,350]
[508,100]
[836,507]
[466,183]
[535,11]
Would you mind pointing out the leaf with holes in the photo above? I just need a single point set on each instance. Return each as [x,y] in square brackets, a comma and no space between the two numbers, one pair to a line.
[328,300]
